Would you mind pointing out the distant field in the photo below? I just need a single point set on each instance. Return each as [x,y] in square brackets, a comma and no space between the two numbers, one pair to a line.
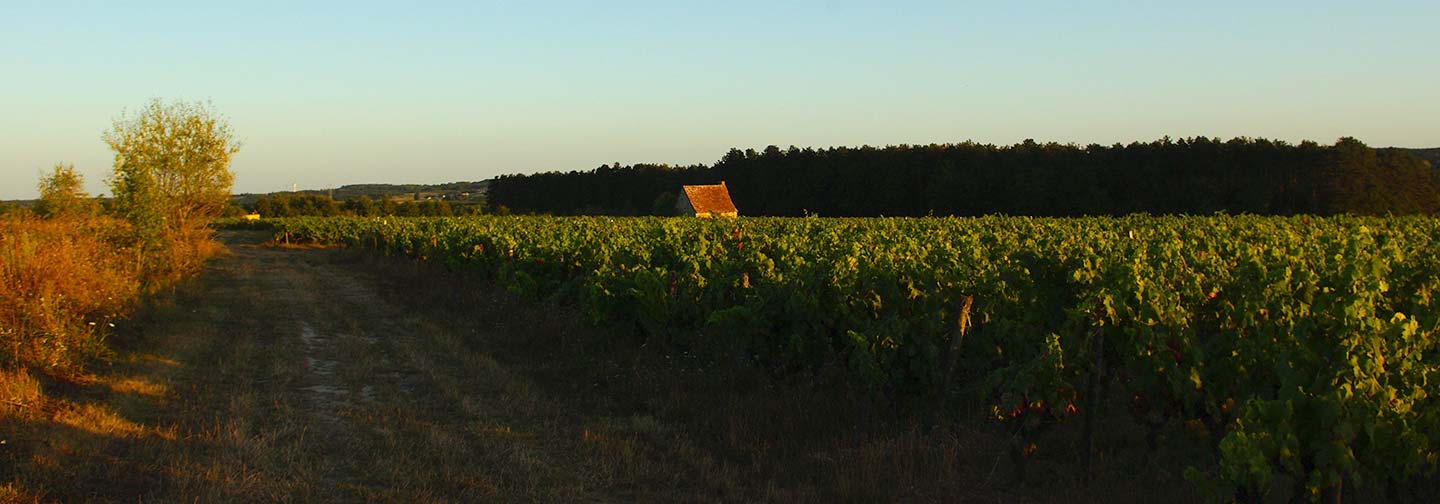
[1300,351]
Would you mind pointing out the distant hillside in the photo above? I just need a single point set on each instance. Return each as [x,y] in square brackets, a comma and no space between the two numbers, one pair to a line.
[1431,154]
[450,191]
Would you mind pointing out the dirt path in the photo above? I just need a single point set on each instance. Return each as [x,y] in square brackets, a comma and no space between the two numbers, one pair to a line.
[284,374]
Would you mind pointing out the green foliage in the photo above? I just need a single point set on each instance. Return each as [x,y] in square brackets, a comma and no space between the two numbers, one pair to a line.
[62,193]
[171,179]
[295,205]
[318,205]
[1306,347]
[363,207]
[664,205]
[172,169]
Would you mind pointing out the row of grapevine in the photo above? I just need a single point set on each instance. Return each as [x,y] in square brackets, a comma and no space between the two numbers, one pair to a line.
[1306,346]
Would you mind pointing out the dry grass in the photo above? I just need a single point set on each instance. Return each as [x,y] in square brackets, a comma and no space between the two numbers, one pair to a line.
[65,281]
[62,283]
[55,433]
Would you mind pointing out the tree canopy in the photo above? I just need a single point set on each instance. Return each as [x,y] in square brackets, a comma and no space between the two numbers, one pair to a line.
[62,193]
[309,204]
[1186,176]
[171,179]
[172,166]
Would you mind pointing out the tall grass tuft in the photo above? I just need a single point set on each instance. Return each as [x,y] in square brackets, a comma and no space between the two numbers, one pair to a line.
[62,283]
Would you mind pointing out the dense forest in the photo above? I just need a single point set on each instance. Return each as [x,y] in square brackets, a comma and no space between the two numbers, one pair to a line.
[1186,176]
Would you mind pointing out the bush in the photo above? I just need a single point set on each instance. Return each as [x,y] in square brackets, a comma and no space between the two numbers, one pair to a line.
[62,282]
[172,178]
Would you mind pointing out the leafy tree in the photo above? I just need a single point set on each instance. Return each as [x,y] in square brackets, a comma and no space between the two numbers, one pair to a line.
[363,206]
[408,209]
[172,168]
[264,207]
[664,204]
[171,178]
[62,193]
[436,208]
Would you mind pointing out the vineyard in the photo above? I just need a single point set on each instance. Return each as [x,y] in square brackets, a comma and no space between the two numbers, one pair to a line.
[1301,348]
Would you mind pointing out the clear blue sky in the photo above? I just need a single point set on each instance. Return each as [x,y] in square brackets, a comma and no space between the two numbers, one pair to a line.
[331,93]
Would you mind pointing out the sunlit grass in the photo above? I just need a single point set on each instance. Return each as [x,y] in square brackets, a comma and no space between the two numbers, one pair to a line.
[62,284]
[10,492]
[19,390]
[137,386]
[97,420]
[24,399]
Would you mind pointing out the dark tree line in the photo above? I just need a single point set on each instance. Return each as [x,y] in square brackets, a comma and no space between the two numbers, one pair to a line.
[607,190]
[1190,176]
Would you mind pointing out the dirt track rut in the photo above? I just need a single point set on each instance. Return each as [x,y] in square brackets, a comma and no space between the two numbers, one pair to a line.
[296,379]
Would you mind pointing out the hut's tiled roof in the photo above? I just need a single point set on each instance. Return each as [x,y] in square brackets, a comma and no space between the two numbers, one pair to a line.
[710,199]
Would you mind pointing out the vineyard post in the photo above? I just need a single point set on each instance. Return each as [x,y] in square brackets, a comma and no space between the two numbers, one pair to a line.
[947,363]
